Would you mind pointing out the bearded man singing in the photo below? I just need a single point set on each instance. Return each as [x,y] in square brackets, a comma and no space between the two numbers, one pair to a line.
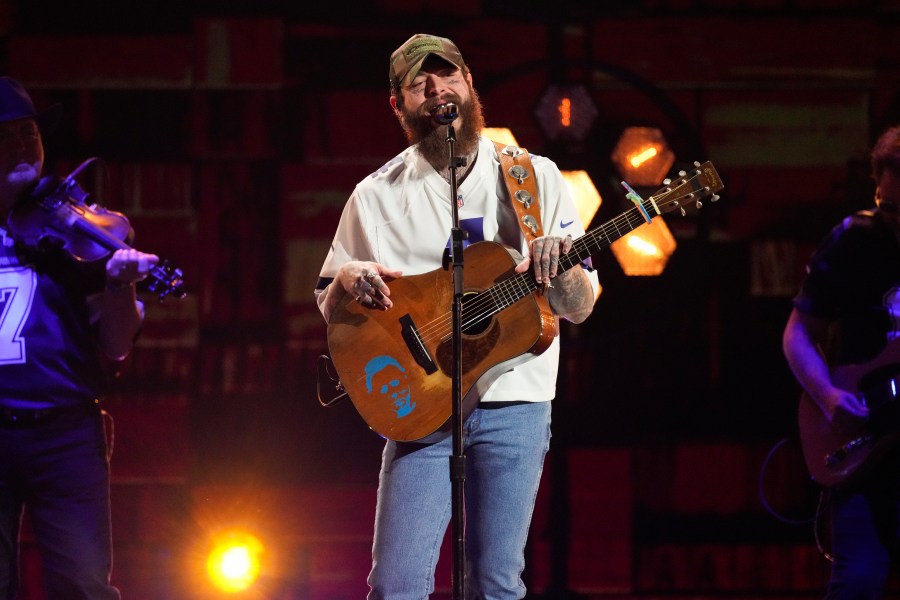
[398,222]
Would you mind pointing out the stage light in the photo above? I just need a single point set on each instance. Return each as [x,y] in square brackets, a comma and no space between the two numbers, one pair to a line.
[642,246]
[642,156]
[566,112]
[587,200]
[501,135]
[233,564]
[646,250]
[584,193]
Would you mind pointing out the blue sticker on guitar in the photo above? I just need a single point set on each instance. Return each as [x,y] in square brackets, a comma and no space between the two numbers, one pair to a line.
[385,378]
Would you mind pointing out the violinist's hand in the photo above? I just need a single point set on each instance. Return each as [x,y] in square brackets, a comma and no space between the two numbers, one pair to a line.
[120,312]
[364,281]
[128,266]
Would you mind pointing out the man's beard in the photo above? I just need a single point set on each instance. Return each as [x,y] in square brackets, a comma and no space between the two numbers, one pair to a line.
[16,181]
[431,141]
[23,174]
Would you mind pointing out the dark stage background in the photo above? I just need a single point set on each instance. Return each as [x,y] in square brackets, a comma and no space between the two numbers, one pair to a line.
[233,136]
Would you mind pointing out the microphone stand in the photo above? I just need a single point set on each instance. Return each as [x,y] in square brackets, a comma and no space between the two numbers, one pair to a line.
[446,114]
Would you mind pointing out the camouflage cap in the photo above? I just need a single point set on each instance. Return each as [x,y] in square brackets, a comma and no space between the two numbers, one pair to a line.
[407,59]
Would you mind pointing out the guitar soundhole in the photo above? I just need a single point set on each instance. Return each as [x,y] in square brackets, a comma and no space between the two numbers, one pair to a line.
[481,335]
[476,313]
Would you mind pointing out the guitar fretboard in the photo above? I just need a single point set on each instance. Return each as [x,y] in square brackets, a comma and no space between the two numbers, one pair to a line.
[702,182]
[509,291]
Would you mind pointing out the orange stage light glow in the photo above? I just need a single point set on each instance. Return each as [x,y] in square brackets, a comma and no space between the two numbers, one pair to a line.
[234,561]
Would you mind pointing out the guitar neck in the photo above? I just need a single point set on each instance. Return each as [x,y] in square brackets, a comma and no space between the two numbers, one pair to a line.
[603,236]
[685,192]
[511,290]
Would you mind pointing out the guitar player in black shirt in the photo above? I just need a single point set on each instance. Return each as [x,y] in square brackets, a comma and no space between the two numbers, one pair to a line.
[842,342]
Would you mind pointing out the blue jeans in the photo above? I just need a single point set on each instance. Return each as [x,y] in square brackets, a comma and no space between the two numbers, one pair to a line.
[60,471]
[504,448]
[864,529]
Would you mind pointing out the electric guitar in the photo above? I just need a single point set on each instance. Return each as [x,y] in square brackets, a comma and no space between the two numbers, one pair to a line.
[833,457]
[397,365]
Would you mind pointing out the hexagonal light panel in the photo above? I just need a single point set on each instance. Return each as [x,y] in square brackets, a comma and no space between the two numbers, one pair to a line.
[584,193]
[642,156]
[646,250]
[566,112]
[504,135]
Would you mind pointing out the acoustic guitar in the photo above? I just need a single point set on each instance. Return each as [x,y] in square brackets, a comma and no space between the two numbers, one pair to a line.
[836,458]
[397,365]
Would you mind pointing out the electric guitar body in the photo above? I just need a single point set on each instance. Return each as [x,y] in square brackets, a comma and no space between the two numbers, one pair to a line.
[836,458]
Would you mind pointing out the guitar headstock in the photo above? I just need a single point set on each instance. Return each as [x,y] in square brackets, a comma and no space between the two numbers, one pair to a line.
[166,279]
[688,191]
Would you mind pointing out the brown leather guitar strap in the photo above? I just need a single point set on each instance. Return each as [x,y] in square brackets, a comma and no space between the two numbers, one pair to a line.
[518,174]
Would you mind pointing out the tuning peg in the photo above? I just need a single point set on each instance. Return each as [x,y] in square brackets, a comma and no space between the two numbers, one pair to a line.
[696,163]
[683,212]
[682,173]
[714,198]
[699,205]
[666,181]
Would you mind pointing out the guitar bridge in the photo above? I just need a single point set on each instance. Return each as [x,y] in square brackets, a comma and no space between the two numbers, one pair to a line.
[416,347]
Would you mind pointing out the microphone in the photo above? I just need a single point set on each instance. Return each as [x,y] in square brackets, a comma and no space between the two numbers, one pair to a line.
[444,114]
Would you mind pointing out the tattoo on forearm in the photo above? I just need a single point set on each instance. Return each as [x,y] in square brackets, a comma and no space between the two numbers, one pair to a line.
[571,293]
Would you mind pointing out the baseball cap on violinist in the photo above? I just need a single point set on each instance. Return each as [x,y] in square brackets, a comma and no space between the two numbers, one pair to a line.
[15,103]
[408,58]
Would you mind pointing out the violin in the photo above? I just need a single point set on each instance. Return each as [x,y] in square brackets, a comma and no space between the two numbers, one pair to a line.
[57,213]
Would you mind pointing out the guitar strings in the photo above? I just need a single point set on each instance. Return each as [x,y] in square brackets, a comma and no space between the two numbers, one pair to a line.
[484,305]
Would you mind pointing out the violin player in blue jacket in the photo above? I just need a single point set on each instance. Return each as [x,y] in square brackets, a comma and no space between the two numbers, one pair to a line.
[62,329]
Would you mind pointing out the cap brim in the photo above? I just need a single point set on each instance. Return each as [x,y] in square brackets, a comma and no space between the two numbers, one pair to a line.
[414,69]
